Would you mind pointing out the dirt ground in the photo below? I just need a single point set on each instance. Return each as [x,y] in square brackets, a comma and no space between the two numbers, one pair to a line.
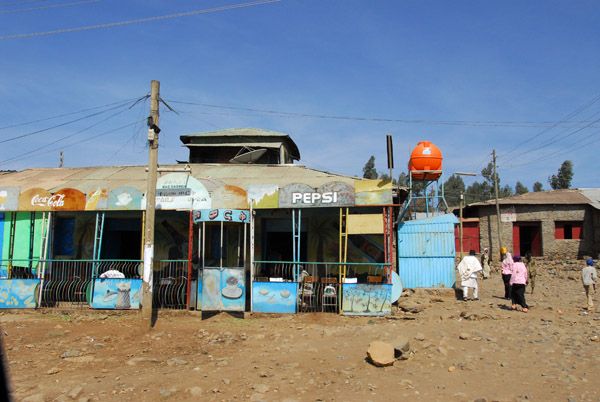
[459,351]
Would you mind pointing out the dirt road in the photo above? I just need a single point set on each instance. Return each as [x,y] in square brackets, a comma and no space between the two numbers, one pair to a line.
[458,352]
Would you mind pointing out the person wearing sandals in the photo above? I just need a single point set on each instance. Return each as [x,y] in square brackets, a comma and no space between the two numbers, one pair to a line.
[518,282]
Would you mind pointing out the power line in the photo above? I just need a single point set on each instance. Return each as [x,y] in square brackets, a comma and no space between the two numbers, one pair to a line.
[59,125]
[566,118]
[45,7]
[63,138]
[163,17]
[68,114]
[277,113]
[87,139]
[21,2]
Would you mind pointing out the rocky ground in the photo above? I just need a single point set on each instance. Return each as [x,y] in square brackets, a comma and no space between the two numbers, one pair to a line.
[457,351]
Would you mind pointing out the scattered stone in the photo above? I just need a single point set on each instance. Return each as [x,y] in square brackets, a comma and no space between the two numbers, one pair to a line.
[464,336]
[381,354]
[53,370]
[35,398]
[451,369]
[71,353]
[401,347]
[480,400]
[420,337]
[261,388]
[196,391]
[75,392]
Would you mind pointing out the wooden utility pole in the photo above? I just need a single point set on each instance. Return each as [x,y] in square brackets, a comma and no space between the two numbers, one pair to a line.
[497,205]
[150,207]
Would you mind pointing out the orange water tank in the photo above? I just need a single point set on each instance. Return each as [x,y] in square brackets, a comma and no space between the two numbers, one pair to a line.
[425,156]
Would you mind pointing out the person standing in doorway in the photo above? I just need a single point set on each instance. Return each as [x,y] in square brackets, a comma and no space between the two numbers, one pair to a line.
[518,282]
[468,270]
[507,269]
[589,276]
[485,263]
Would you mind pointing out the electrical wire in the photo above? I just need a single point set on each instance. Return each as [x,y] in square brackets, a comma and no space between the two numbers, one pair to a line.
[277,113]
[21,2]
[566,118]
[151,19]
[60,125]
[85,140]
[45,7]
[63,138]
[67,114]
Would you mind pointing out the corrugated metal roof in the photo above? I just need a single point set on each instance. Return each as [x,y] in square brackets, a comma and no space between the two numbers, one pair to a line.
[236,144]
[569,196]
[211,175]
[592,194]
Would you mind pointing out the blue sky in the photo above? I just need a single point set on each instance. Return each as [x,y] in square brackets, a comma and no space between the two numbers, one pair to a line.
[470,76]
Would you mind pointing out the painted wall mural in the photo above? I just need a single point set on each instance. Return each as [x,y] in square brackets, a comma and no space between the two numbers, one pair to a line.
[97,199]
[67,199]
[9,198]
[363,299]
[19,293]
[35,199]
[223,289]
[125,198]
[274,297]
[264,196]
[373,192]
[113,293]
[229,197]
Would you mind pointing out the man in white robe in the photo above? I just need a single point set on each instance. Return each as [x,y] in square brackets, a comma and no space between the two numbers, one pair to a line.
[468,270]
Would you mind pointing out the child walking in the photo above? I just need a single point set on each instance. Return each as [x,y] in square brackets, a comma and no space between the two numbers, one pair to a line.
[589,278]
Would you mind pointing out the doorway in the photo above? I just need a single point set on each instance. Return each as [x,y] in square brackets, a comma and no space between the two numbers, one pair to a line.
[527,238]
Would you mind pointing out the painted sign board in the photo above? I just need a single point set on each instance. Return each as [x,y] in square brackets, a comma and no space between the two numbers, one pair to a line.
[113,293]
[223,289]
[508,214]
[263,196]
[364,299]
[125,198]
[35,199]
[9,198]
[365,224]
[373,192]
[333,194]
[274,297]
[19,293]
[97,199]
[229,197]
[221,215]
[180,191]
[67,199]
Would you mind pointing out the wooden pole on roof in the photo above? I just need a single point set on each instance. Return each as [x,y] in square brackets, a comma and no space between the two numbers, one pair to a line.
[150,207]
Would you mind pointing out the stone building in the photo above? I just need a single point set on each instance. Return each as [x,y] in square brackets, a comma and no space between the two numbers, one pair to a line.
[551,224]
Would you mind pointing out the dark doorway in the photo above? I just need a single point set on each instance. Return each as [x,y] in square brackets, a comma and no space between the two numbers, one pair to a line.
[280,247]
[122,239]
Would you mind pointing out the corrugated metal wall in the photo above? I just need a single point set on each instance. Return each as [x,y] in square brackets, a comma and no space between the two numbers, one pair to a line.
[426,250]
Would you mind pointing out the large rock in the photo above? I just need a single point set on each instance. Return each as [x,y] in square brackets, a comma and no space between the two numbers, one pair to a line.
[381,354]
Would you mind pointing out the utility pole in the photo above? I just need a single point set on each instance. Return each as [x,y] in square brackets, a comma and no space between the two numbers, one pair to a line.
[497,205]
[150,206]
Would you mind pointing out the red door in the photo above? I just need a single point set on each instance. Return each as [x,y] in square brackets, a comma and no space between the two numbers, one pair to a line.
[470,237]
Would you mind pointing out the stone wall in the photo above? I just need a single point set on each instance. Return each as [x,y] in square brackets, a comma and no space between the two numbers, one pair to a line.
[546,215]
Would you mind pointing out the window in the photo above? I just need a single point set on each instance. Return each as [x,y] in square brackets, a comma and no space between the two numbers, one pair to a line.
[568,230]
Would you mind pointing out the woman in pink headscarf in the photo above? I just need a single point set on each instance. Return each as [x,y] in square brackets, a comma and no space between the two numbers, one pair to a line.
[507,270]
[518,281]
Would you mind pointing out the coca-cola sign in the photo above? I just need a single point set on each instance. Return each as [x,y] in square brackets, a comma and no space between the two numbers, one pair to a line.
[54,201]
[38,199]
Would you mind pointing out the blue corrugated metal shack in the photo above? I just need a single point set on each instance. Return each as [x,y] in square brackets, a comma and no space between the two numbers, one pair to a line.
[426,252]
